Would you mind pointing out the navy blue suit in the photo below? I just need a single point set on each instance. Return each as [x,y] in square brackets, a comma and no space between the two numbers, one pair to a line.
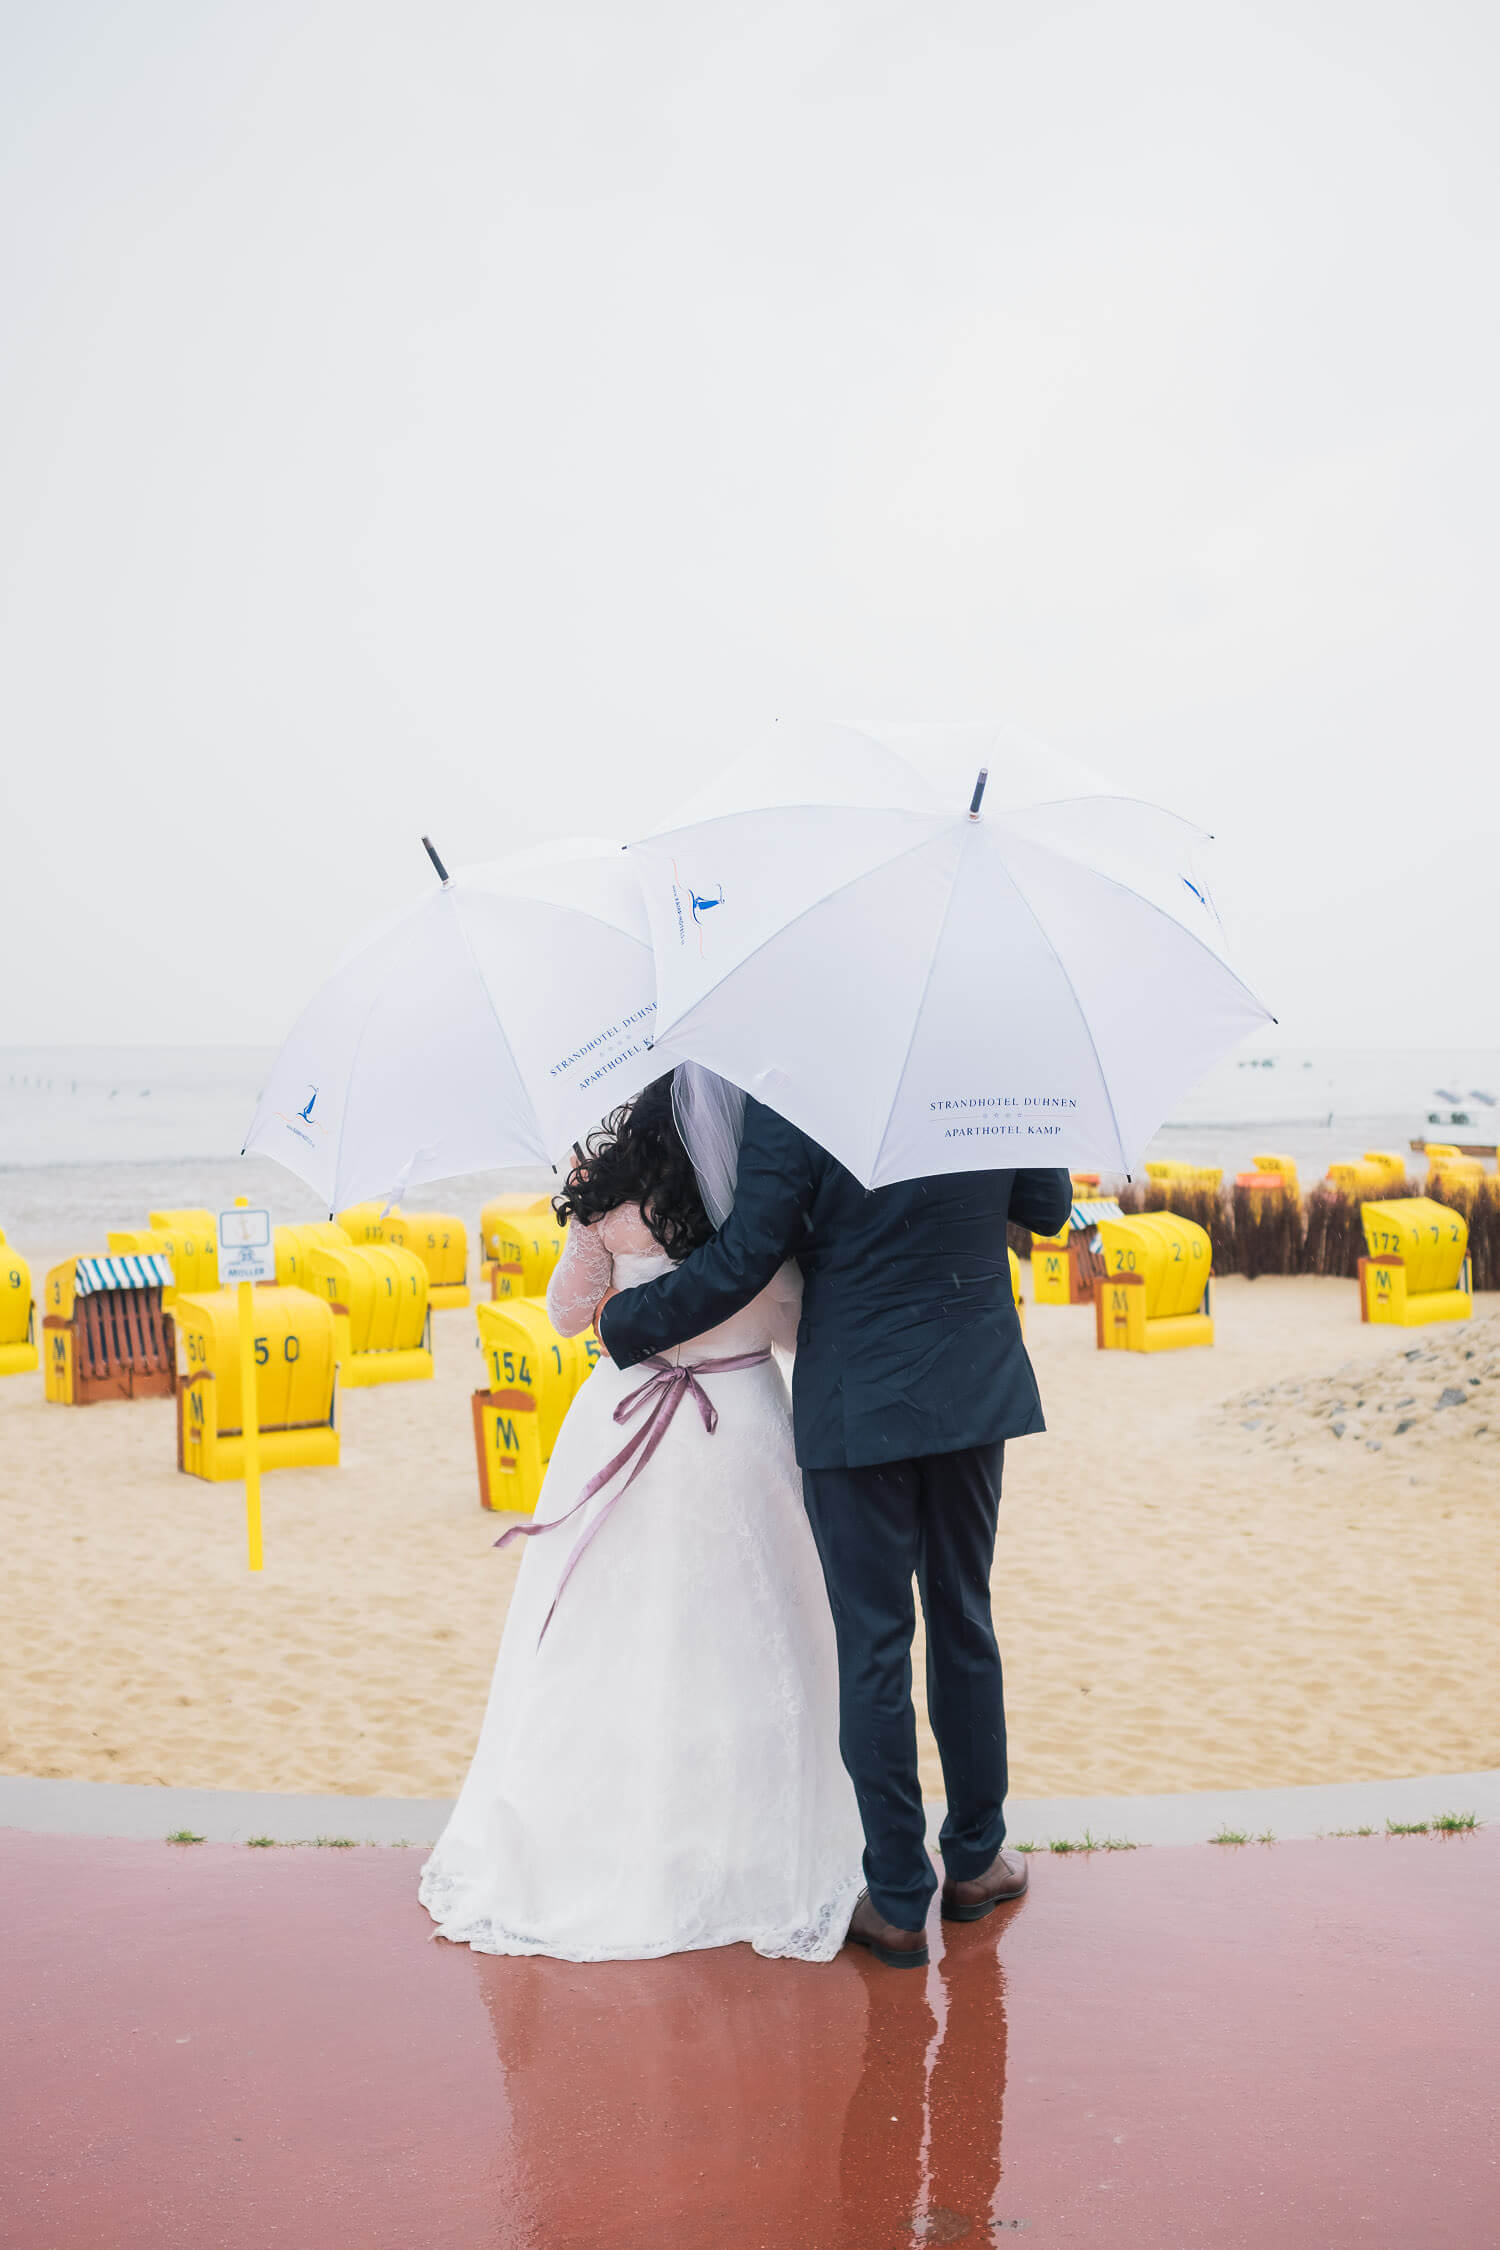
[910,1375]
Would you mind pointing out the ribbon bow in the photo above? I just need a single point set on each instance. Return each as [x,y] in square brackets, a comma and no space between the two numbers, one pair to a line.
[658,1398]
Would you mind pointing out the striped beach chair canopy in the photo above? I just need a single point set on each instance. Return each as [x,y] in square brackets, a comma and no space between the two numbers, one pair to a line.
[93,1274]
[1085,1215]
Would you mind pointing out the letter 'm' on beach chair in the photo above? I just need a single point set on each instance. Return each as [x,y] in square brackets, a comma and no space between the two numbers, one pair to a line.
[522,1249]
[502,1243]
[1049,1268]
[1154,1293]
[534,1376]
[1065,1266]
[104,1333]
[1417,1267]
[295,1382]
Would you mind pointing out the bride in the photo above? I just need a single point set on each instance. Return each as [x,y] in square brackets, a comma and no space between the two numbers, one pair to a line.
[658,1768]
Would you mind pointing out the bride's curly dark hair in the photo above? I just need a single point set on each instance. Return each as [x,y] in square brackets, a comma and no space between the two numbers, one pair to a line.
[637,1156]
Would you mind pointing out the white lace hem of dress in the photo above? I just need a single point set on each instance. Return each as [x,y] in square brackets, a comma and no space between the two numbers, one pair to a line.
[818,1941]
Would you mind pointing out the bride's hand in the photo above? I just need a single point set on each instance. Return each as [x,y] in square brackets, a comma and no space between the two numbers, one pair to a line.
[598,1309]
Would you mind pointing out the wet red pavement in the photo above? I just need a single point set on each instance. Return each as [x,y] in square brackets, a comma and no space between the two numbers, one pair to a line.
[1181,2049]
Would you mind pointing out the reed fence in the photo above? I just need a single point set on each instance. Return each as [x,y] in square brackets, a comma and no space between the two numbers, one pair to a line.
[1479,1201]
[1277,1231]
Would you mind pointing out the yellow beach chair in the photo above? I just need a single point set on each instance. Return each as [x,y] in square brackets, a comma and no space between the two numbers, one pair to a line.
[534,1376]
[1154,1293]
[520,1240]
[104,1334]
[442,1243]
[190,1243]
[377,1293]
[292,1244]
[18,1351]
[1417,1268]
[295,1378]
[365,1222]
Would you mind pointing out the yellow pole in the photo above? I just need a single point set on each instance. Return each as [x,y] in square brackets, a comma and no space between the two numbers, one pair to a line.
[249,1414]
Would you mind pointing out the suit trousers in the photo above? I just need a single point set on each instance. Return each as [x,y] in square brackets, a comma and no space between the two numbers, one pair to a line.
[933,1518]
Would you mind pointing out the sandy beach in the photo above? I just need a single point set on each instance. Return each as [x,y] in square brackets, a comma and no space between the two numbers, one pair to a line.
[1198,1584]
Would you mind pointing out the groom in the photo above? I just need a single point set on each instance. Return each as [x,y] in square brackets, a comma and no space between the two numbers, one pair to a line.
[910,1376]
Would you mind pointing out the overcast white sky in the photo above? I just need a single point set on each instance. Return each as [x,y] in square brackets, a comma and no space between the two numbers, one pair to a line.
[483,417]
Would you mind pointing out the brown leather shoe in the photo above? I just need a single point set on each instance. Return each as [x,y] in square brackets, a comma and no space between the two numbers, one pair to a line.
[1005,1878]
[897,1948]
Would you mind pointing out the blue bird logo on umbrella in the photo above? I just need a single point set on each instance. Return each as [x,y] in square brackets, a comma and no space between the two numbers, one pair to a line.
[304,1116]
[1202,896]
[699,903]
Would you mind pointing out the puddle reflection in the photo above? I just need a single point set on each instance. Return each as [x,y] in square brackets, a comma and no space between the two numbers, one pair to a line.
[921,2155]
[717,2098]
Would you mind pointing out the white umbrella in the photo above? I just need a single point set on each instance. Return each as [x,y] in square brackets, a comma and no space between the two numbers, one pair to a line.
[491,1023]
[928,974]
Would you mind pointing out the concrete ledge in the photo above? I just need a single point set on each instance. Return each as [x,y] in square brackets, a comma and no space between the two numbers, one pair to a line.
[231,1816]
[223,1816]
[1195,1816]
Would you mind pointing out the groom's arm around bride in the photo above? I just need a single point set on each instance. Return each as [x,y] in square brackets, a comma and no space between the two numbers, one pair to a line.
[910,1375]
[909,1342]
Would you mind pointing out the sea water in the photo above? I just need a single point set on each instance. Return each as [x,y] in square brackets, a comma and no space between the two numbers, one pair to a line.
[1327,1105]
[95,1137]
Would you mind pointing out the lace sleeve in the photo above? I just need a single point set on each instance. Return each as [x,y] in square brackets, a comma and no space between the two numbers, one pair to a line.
[582,1275]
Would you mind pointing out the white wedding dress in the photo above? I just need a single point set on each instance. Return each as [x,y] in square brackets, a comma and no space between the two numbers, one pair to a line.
[662,1772]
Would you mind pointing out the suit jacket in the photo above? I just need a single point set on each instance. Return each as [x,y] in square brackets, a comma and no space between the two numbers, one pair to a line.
[909,1341]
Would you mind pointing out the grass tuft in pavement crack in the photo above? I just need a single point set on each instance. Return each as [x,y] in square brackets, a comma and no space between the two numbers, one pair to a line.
[1087,1842]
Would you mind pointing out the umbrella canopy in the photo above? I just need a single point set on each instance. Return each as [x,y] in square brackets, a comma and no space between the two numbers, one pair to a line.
[932,978]
[491,1023]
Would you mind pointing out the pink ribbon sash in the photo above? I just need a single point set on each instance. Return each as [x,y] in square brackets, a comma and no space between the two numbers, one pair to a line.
[658,1398]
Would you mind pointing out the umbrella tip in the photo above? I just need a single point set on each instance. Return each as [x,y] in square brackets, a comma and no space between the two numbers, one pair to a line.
[431,851]
[978,797]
